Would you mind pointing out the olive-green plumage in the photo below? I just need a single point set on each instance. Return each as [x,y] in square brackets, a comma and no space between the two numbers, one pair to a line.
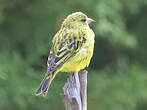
[72,48]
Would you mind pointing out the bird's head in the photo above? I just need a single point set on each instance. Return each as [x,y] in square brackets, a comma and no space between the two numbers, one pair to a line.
[77,19]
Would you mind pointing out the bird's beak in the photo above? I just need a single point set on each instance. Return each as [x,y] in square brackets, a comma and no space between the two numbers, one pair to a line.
[89,20]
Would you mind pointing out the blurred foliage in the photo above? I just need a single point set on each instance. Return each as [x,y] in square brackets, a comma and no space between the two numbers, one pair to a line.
[121,91]
[117,74]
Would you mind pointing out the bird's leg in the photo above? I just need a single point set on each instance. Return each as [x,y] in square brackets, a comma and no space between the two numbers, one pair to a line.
[73,76]
[71,73]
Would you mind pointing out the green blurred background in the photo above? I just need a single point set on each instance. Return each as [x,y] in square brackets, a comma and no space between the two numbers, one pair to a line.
[117,78]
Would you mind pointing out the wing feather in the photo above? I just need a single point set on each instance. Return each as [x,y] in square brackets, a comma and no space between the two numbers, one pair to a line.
[65,45]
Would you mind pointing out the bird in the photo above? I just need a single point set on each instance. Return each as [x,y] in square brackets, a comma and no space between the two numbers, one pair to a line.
[72,49]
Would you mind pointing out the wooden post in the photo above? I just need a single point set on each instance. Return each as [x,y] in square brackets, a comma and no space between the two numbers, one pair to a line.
[75,95]
[84,89]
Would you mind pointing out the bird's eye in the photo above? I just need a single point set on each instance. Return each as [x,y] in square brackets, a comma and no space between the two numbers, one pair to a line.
[83,20]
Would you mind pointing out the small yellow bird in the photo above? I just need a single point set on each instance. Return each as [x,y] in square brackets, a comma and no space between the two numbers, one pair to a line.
[72,48]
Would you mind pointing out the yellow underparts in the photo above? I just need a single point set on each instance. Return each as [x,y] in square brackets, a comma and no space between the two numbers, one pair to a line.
[79,61]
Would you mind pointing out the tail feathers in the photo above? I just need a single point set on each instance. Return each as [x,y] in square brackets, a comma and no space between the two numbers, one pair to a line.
[44,86]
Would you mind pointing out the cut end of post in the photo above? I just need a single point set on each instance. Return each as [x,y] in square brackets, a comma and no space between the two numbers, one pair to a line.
[75,94]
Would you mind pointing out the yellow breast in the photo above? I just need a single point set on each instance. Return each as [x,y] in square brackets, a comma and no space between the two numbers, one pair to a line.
[82,58]
[78,62]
